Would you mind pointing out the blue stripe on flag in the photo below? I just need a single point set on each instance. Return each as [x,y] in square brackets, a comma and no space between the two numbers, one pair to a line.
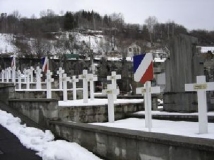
[137,60]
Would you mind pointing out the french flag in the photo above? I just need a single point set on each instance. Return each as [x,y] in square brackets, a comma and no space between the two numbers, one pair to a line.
[143,67]
[45,64]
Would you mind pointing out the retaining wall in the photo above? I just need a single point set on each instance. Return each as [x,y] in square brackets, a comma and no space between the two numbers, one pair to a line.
[122,144]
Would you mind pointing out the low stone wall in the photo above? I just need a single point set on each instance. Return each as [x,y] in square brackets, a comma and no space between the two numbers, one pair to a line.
[121,144]
[89,114]
[38,110]
[7,91]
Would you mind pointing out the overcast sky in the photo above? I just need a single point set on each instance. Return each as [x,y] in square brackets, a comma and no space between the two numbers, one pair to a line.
[193,14]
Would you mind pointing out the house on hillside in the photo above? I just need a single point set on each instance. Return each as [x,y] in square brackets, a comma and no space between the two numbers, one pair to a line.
[133,49]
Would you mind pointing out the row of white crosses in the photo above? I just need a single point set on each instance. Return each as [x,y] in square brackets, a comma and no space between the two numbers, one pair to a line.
[6,75]
[28,77]
[87,78]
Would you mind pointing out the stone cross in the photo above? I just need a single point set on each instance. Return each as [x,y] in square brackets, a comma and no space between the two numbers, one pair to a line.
[146,91]
[27,72]
[65,80]
[2,75]
[113,79]
[38,72]
[85,76]
[48,81]
[31,74]
[19,79]
[201,87]
[110,91]
[92,79]
[60,72]
[74,80]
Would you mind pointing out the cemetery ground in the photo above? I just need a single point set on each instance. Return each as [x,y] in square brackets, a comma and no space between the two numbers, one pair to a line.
[174,127]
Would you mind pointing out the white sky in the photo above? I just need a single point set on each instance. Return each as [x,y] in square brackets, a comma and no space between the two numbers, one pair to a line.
[193,14]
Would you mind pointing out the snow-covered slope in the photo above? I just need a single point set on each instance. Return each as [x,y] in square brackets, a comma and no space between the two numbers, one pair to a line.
[5,44]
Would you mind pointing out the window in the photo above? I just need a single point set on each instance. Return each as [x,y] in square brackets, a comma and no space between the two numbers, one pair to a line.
[130,49]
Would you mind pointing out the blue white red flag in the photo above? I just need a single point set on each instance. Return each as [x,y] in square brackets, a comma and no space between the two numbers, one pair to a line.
[143,67]
[13,62]
[45,64]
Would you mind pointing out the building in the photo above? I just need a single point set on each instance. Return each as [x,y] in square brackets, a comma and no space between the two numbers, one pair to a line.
[133,49]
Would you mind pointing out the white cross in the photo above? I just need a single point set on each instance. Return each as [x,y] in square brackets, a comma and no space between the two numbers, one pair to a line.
[74,81]
[14,74]
[201,86]
[2,75]
[38,77]
[85,76]
[19,79]
[65,79]
[27,72]
[48,81]
[9,72]
[60,72]
[92,79]
[146,91]
[25,77]
[31,73]
[113,79]
[110,91]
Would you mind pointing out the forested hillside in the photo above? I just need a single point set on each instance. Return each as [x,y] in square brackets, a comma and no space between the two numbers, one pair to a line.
[53,27]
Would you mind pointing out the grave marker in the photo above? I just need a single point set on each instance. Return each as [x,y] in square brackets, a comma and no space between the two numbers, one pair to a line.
[85,76]
[146,91]
[92,79]
[27,72]
[48,81]
[38,72]
[60,72]
[111,91]
[7,74]
[74,80]
[19,79]
[65,79]
[31,74]
[2,75]
[201,87]
[113,79]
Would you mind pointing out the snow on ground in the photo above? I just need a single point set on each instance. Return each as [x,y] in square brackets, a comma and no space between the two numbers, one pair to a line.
[182,128]
[43,142]
[189,129]
[96,102]
[173,113]
[5,44]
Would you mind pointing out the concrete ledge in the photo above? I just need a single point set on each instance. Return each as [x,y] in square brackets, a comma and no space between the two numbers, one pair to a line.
[123,144]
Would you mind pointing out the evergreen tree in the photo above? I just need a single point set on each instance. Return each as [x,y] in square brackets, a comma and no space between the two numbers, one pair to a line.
[69,21]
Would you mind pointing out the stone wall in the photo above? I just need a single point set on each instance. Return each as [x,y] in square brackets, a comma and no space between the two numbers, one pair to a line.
[38,110]
[182,66]
[89,114]
[7,91]
[121,144]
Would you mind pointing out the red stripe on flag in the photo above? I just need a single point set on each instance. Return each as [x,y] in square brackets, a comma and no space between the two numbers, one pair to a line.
[148,76]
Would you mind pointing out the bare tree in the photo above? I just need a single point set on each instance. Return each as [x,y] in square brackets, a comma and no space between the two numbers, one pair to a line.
[41,47]
[151,22]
